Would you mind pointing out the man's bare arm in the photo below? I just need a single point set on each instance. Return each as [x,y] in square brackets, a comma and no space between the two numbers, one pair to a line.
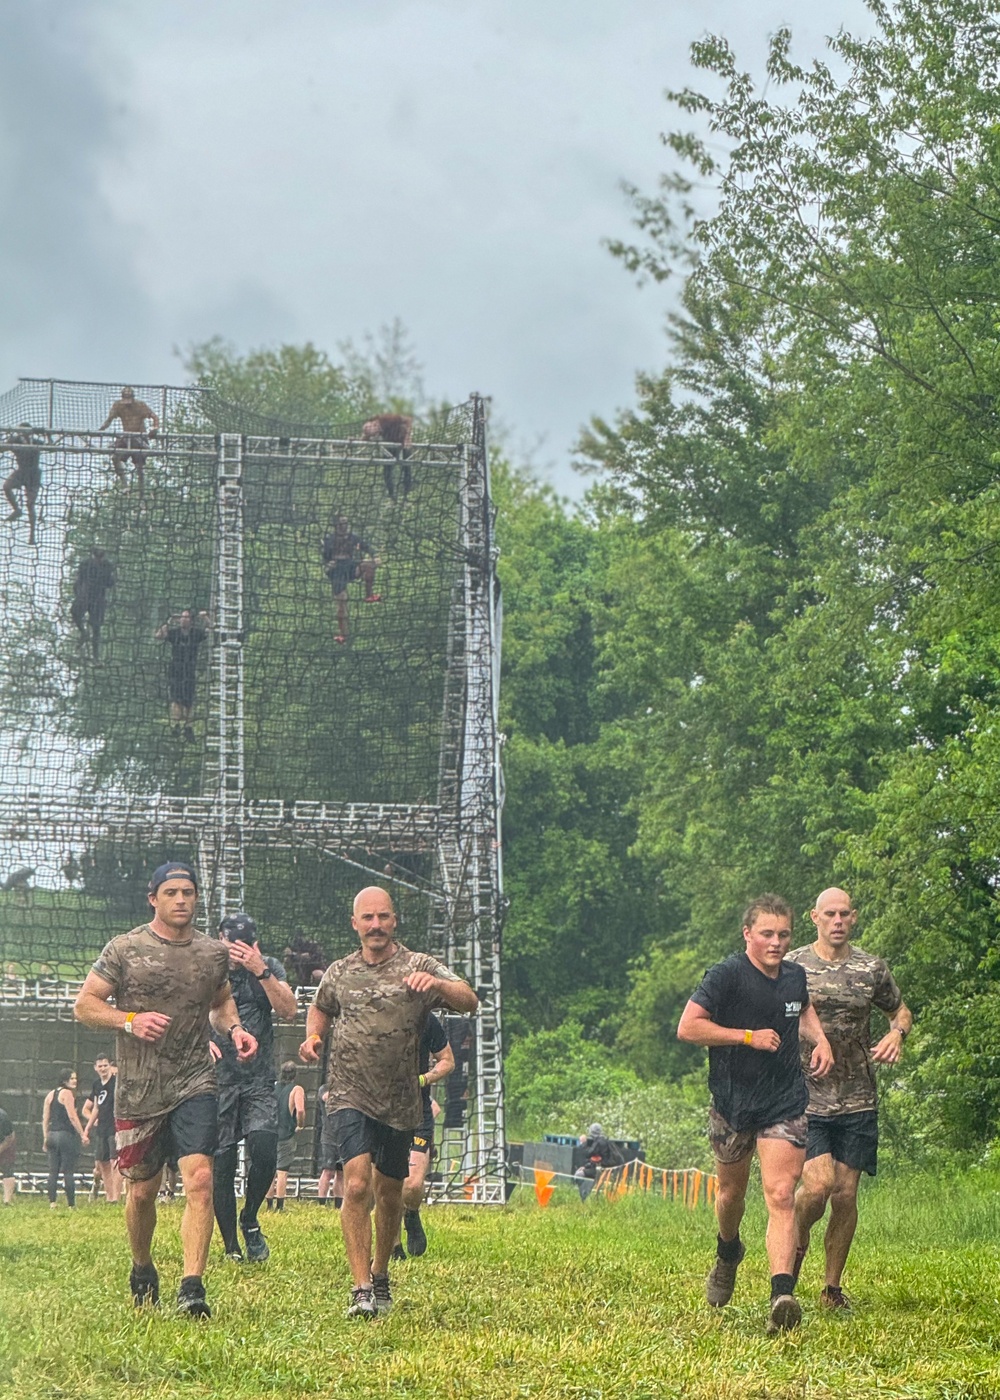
[890,1047]
[456,995]
[225,1020]
[318,1024]
[92,1009]
[444,1063]
[297,1103]
[812,1031]
[696,1027]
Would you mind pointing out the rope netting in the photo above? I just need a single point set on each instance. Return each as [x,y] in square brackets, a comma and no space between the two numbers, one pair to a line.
[119,701]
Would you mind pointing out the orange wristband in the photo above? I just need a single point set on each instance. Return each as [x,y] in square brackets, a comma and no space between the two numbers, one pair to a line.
[747,1037]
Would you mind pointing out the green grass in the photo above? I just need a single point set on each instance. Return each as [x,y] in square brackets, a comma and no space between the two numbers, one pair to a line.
[602,1302]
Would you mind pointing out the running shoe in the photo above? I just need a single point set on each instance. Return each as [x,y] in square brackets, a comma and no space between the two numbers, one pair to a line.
[257,1250]
[416,1240]
[722,1280]
[381,1293]
[834,1298]
[191,1298]
[785,1314]
[235,1255]
[144,1282]
[398,1254]
[362,1303]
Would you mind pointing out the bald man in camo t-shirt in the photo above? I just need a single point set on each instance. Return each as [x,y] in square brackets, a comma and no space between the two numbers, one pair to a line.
[377,1001]
[845,985]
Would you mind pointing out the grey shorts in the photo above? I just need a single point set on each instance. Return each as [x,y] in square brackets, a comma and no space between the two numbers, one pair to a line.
[246,1108]
[286,1153]
[731,1145]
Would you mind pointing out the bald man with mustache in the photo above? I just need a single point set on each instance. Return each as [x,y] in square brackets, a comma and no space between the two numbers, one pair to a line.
[845,985]
[376,1002]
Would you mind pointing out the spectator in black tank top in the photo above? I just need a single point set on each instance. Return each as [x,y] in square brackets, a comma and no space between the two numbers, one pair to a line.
[749,1011]
[291,1120]
[62,1133]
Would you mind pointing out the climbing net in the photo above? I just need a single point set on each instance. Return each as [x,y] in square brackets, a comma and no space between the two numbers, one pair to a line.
[342,738]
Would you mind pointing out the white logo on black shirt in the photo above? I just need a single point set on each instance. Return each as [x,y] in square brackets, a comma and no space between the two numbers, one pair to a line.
[793,1008]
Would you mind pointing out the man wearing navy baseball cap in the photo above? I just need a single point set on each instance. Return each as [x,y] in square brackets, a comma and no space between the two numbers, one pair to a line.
[170,985]
[248,1103]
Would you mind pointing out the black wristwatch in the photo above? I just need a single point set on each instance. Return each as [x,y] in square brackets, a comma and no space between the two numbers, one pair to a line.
[263,976]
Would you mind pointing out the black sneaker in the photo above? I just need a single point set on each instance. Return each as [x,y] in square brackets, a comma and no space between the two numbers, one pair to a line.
[362,1303]
[144,1282]
[398,1254]
[416,1240]
[191,1297]
[257,1250]
[381,1293]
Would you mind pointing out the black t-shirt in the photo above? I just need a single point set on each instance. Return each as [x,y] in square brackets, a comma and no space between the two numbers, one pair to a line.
[754,1088]
[6,1126]
[103,1095]
[93,579]
[257,1017]
[184,648]
[432,1042]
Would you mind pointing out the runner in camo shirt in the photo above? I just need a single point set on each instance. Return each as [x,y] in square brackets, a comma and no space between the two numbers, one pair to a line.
[845,984]
[170,984]
[377,1001]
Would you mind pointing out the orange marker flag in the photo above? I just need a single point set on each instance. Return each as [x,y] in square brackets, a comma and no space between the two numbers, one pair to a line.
[543,1186]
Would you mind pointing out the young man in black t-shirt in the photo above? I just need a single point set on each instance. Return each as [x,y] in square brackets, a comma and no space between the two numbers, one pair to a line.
[748,1011]
[100,1110]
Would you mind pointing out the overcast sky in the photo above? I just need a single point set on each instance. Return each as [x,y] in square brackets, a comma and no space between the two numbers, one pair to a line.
[292,170]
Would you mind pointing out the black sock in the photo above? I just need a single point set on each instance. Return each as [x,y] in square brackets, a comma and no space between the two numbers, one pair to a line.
[338,1201]
[279,1203]
[781,1284]
[729,1250]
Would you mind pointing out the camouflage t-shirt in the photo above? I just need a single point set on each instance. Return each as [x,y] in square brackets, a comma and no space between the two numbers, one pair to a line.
[180,980]
[843,994]
[375,1040]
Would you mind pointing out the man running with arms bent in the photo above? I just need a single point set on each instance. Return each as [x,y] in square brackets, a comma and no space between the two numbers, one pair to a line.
[844,985]
[170,983]
[377,1001]
[749,1011]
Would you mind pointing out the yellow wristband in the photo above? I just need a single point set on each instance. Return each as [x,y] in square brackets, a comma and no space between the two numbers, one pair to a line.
[314,1036]
[127,1027]
[747,1037]
[423,1080]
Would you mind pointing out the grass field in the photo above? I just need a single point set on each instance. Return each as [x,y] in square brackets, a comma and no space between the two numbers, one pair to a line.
[602,1302]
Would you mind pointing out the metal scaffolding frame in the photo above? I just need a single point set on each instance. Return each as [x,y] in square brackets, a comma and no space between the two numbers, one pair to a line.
[461,831]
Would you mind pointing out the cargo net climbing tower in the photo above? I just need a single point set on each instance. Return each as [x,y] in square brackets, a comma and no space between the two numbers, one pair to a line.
[271,650]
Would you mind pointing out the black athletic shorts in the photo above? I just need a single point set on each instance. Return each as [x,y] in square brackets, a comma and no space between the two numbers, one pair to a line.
[104,1147]
[145,1146]
[423,1138]
[389,1148]
[344,572]
[851,1138]
[246,1108]
[330,1157]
